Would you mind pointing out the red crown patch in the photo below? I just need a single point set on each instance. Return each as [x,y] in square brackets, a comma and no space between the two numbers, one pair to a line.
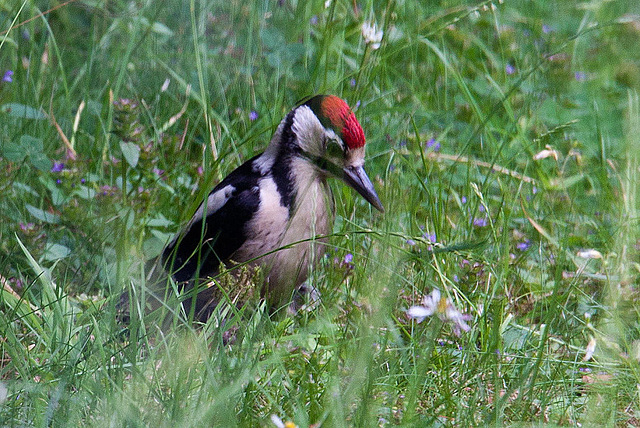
[344,121]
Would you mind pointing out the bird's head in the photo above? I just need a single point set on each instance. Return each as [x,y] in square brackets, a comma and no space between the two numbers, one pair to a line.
[328,134]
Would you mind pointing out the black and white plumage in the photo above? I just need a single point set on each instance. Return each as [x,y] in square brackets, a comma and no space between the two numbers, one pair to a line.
[276,199]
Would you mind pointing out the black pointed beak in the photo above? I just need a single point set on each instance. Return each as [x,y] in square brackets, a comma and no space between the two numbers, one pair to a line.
[357,178]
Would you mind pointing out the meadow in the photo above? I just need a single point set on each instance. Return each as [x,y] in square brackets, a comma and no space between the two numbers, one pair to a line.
[499,288]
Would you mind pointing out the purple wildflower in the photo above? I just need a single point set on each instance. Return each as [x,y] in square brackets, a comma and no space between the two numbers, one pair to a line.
[431,238]
[314,20]
[357,103]
[352,82]
[253,115]
[463,199]
[411,242]
[82,181]
[17,282]
[510,69]
[8,76]
[546,29]
[58,181]
[57,167]
[580,76]
[26,227]
[158,171]
[346,261]
[480,222]
[481,208]
[522,246]
[433,144]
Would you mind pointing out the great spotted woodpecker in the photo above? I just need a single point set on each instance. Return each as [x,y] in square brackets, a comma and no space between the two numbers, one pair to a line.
[269,210]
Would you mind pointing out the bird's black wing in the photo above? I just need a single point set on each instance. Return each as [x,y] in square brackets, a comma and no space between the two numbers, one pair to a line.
[215,234]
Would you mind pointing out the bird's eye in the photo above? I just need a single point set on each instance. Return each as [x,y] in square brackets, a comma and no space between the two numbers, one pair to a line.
[334,148]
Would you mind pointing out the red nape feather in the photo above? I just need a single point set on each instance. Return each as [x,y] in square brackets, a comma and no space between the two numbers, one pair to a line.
[344,121]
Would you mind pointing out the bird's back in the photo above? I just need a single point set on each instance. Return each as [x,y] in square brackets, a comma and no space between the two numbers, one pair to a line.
[216,230]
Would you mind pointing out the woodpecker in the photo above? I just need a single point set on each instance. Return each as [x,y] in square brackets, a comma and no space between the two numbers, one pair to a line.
[268,211]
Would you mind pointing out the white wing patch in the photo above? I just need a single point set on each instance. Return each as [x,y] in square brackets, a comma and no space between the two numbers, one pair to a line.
[215,201]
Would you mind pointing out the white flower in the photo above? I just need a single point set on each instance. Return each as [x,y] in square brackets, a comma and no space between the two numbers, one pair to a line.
[456,318]
[590,350]
[371,35]
[429,306]
[419,313]
[435,303]
[279,424]
[277,421]
[589,254]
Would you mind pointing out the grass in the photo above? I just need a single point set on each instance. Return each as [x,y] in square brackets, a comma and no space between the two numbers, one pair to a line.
[502,139]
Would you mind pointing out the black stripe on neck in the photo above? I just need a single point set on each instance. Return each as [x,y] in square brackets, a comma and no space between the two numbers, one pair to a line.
[281,170]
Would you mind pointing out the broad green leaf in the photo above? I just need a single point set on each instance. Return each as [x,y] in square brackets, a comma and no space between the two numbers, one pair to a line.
[84,192]
[163,237]
[27,146]
[22,111]
[272,38]
[131,153]
[54,252]
[40,161]
[57,194]
[42,215]
[160,221]
[160,28]
[31,144]
[21,187]
[153,247]
[13,152]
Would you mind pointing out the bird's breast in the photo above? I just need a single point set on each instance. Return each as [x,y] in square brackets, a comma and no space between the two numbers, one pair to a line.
[282,240]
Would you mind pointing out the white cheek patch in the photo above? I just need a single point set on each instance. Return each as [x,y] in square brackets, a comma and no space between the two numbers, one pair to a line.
[215,201]
[308,129]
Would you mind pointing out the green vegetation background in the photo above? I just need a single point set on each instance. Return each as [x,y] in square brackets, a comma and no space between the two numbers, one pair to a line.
[503,139]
